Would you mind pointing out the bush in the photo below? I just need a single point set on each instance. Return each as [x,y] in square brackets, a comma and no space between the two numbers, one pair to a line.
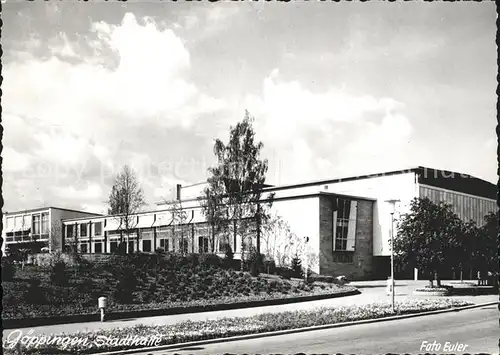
[269,266]
[256,262]
[58,273]
[35,294]
[126,285]
[284,272]
[322,278]
[8,271]
[122,249]
[210,260]
[296,267]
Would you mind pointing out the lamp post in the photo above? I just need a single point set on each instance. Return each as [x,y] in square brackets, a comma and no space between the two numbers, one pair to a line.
[393,203]
[307,259]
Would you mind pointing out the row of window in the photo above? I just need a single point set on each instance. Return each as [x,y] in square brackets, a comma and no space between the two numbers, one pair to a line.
[82,229]
[37,224]
[147,246]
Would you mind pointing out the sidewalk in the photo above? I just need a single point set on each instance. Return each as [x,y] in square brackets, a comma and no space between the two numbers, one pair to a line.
[371,292]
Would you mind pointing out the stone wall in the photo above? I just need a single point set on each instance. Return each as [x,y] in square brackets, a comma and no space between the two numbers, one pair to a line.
[361,267]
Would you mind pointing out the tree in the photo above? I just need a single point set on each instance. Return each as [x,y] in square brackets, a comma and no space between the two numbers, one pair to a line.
[486,255]
[281,244]
[233,196]
[466,248]
[214,210]
[125,201]
[427,238]
[180,219]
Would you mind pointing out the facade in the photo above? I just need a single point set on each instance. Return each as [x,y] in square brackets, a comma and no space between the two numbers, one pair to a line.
[471,199]
[347,222]
[38,228]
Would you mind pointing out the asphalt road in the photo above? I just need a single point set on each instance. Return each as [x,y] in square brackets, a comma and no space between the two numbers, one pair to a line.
[476,328]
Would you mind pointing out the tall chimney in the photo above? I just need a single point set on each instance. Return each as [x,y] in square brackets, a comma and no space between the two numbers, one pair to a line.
[178,196]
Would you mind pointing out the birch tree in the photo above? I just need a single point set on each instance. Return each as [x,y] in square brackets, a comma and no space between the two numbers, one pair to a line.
[234,192]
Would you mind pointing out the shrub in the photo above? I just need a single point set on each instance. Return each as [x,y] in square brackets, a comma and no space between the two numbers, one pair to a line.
[8,271]
[296,267]
[126,285]
[229,255]
[322,278]
[58,273]
[122,249]
[256,262]
[269,266]
[208,260]
[284,272]
[34,295]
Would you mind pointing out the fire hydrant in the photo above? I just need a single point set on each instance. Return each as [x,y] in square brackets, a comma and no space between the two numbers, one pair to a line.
[102,303]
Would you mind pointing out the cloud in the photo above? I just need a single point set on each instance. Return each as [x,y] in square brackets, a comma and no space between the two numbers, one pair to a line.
[288,107]
[333,132]
[91,191]
[13,161]
[69,117]
[208,21]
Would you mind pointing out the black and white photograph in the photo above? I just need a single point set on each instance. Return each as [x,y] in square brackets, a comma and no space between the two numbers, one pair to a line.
[249,177]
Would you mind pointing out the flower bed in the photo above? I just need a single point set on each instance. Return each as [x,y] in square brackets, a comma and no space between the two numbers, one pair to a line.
[433,291]
[109,340]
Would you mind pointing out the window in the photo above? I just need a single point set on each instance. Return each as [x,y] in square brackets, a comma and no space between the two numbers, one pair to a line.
[202,244]
[341,228]
[98,228]
[184,246]
[84,248]
[45,223]
[36,224]
[9,223]
[98,247]
[131,247]
[164,244]
[113,246]
[26,222]
[83,230]
[146,246]
[18,221]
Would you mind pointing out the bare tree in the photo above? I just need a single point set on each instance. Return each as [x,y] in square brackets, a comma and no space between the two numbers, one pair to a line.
[125,201]
[179,222]
[281,244]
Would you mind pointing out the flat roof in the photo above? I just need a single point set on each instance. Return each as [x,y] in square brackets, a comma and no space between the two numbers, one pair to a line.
[49,207]
[446,179]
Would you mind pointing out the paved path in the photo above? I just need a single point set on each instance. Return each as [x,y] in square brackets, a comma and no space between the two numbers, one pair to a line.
[475,328]
[372,291]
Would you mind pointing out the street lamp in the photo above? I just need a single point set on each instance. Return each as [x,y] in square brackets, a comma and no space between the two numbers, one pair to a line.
[393,203]
[307,259]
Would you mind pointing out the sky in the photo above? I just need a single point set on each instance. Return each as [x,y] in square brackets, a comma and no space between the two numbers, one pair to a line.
[336,90]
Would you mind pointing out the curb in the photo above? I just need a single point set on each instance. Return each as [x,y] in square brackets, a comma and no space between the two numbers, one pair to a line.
[292,331]
[86,318]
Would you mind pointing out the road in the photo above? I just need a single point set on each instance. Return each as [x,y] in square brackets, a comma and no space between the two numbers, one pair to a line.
[476,328]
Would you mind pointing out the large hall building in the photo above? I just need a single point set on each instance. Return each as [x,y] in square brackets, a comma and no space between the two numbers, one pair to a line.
[347,221]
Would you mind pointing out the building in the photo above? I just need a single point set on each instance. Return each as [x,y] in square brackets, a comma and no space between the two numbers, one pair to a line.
[368,255]
[347,221]
[37,229]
